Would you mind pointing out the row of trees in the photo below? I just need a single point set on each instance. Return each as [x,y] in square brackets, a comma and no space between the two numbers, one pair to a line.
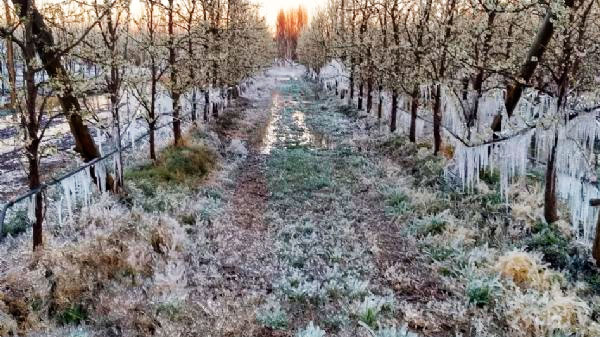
[288,27]
[499,68]
[171,49]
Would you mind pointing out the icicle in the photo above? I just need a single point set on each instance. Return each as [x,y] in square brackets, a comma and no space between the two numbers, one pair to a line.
[100,170]
[510,154]
[67,188]
[578,193]
[117,164]
[99,139]
[132,140]
[31,208]
[59,210]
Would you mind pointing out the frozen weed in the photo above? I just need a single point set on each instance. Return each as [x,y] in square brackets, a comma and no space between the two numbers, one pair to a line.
[237,148]
[547,313]
[397,203]
[171,309]
[369,309]
[311,331]
[16,224]
[525,269]
[357,288]
[390,331]
[75,315]
[273,316]
[483,291]
[336,321]
[551,243]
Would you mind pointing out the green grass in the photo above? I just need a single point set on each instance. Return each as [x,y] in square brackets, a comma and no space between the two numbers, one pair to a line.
[397,203]
[176,165]
[490,177]
[75,314]
[479,294]
[273,317]
[298,170]
[548,240]
[440,253]
[170,310]
[16,224]
[434,227]
[369,317]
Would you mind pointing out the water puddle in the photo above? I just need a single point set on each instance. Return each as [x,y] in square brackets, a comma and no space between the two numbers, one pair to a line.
[270,136]
[287,127]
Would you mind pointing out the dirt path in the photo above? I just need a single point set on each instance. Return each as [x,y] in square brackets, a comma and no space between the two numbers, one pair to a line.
[306,200]
[250,196]
[311,224]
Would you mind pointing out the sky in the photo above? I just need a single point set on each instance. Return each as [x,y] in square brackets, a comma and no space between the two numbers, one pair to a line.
[270,8]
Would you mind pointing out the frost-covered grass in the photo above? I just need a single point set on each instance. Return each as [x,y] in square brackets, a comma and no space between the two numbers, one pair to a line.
[132,266]
[362,237]
[298,171]
[327,281]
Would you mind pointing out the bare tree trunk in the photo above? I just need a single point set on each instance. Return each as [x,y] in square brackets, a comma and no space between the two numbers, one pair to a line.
[414,106]
[194,105]
[437,120]
[550,200]
[175,90]
[152,139]
[369,94]
[351,86]
[117,122]
[596,246]
[380,106]
[360,95]
[10,60]
[206,104]
[152,112]
[30,122]
[34,182]
[394,112]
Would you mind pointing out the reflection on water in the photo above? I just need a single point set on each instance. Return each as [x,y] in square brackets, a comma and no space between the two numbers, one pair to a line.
[287,126]
[305,136]
[269,138]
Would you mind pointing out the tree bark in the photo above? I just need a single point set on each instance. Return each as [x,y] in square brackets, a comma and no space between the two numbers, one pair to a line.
[360,95]
[10,60]
[369,94]
[152,111]
[175,90]
[550,200]
[596,246]
[394,112]
[34,182]
[206,104]
[437,120]
[194,105]
[414,106]
[351,86]
[380,106]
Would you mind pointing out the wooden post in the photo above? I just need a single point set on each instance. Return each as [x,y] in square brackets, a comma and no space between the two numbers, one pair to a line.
[596,246]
